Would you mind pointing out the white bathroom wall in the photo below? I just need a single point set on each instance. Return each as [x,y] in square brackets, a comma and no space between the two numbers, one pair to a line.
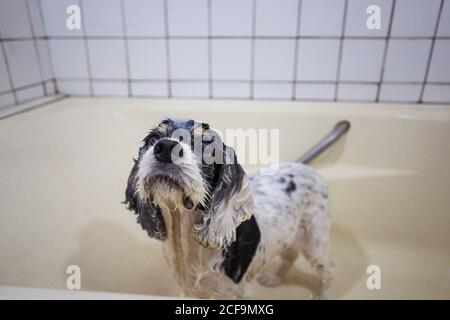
[25,67]
[247,49]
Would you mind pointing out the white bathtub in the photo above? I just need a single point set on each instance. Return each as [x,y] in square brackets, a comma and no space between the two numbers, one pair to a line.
[63,171]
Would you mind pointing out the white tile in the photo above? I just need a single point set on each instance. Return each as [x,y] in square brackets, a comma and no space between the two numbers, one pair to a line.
[357,92]
[6,100]
[107,59]
[50,88]
[22,62]
[356,23]
[147,59]
[415,17]
[68,58]
[231,59]
[110,89]
[36,20]
[276,18]
[188,18]
[312,91]
[73,87]
[361,60]
[231,90]
[317,59]
[436,93]
[444,23]
[144,18]
[189,59]
[231,17]
[102,17]
[14,21]
[272,91]
[274,59]
[44,59]
[440,62]
[4,80]
[190,89]
[406,60]
[321,17]
[400,93]
[55,17]
[30,93]
[149,89]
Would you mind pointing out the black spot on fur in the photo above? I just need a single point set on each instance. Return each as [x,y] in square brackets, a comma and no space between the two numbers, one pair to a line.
[239,254]
[282,180]
[291,187]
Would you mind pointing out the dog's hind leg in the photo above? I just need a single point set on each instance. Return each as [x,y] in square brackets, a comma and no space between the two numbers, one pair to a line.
[277,275]
[315,249]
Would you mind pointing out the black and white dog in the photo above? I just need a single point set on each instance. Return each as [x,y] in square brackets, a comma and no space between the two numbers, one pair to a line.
[220,229]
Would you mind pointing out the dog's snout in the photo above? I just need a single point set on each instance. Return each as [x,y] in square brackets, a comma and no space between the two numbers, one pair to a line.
[163,150]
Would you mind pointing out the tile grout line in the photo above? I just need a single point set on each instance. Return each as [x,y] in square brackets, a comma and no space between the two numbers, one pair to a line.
[241,81]
[252,51]
[210,38]
[210,71]
[167,41]
[296,49]
[430,54]
[8,72]
[47,44]
[86,50]
[36,50]
[28,86]
[385,51]
[231,37]
[48,101]
[127,51]
[341,48]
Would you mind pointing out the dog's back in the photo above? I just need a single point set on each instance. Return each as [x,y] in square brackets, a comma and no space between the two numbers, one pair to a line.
[292,210]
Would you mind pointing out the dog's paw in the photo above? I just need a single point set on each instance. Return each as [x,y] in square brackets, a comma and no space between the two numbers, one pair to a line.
[270,280]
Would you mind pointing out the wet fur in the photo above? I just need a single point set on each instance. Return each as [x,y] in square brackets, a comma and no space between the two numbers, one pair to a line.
[239,228]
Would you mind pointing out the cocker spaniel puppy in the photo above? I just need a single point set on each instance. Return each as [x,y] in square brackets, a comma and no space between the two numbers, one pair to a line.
[220,228]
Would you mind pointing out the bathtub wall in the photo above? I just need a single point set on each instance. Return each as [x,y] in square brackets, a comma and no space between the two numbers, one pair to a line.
[247,49]
[25,67]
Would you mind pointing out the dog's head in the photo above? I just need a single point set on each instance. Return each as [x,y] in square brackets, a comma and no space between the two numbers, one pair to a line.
[183,164]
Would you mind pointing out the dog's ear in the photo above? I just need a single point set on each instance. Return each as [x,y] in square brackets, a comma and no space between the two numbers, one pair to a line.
[230,204]
[148,214]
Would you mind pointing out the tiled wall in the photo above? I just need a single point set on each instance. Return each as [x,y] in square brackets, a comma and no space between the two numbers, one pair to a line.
[251,49]
[25,67]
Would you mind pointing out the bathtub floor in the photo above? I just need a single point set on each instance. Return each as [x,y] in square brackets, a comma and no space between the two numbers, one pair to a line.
[63,171]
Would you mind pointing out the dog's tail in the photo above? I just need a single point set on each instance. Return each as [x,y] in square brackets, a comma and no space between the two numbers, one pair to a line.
[338,131]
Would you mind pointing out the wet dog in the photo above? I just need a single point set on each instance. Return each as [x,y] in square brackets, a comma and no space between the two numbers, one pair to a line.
[220,228]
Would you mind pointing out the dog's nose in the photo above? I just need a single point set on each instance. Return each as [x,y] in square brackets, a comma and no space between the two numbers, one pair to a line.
[163,150]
